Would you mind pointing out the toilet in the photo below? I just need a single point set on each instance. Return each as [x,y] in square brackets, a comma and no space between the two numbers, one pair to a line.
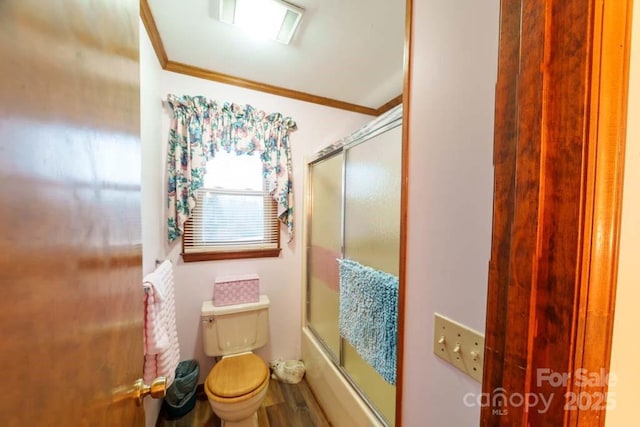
[238,383]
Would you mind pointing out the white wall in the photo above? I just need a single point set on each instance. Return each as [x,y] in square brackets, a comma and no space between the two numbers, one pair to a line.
[454,72]
[626,348]
[280,278]
[150,132]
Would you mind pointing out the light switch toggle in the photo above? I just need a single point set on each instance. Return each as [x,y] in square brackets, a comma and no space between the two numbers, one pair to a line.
[458,345]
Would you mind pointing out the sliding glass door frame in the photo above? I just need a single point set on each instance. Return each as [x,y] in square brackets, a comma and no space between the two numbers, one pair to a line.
[377,127]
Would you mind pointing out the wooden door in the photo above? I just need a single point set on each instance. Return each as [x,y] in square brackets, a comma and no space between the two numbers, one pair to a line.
[70,249]
[558,155]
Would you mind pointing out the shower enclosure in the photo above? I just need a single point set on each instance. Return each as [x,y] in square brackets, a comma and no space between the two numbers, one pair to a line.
[353,212]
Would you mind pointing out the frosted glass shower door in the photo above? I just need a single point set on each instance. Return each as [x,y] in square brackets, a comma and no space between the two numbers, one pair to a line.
[372,237]
[324,246]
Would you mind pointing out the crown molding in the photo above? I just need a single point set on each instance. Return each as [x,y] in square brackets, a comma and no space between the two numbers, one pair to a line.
[389,105]
[203,73]
[154,34]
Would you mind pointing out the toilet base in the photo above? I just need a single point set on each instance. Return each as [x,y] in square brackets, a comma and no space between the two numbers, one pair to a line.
[251,421]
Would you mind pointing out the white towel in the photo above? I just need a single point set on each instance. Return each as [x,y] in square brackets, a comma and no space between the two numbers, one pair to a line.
[161,347]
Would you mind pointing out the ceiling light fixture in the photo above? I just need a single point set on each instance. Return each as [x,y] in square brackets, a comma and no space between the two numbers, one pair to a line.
[274,19]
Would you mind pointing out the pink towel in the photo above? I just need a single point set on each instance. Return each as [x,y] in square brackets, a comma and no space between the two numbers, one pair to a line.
[161,348]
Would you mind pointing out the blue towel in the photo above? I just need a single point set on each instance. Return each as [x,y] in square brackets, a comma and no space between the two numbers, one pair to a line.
[369,315]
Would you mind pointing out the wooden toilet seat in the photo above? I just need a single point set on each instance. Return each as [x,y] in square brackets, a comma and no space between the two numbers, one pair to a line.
[237,378]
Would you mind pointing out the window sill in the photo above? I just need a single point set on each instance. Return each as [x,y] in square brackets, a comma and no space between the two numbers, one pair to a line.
[216,256]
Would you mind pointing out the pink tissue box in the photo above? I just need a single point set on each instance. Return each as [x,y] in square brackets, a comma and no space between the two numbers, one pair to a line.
[236,290]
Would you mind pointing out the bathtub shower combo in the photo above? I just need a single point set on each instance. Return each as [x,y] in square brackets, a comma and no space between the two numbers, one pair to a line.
[353,244]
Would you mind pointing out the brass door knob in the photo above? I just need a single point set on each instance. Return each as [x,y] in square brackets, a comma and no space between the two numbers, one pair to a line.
[137,391]
[157,389]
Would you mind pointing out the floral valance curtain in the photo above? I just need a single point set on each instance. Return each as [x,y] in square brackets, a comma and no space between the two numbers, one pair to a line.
[200,127]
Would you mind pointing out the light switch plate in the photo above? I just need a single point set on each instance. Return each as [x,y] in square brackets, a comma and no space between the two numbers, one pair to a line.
[459,345]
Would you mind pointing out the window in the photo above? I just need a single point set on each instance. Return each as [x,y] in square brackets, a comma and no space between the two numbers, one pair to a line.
[235,217]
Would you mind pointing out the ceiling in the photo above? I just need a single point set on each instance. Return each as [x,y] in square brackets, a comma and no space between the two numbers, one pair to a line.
[345,50]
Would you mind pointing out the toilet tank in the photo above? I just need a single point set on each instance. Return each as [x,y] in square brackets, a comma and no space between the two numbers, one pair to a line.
[233,329]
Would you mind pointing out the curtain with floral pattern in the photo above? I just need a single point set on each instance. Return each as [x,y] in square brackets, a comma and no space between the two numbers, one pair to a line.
[200,127]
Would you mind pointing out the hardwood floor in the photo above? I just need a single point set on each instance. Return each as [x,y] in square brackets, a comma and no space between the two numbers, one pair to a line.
[286,405]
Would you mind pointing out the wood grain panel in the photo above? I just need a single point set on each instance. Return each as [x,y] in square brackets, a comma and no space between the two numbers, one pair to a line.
[564,141]
[604,177]
[69,212]
[504,160]
[316,413]
[547,252]
[523,263]
[298,413]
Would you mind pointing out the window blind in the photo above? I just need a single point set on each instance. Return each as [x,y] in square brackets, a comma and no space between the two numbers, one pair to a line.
[227,220]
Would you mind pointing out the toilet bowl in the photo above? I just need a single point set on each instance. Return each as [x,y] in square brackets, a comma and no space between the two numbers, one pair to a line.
[236,387]
[238,383]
